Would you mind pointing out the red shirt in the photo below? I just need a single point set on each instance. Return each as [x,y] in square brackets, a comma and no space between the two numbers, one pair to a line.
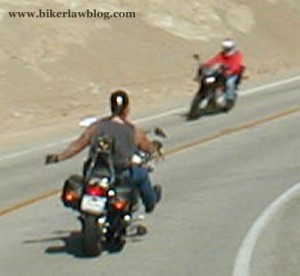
[233,63]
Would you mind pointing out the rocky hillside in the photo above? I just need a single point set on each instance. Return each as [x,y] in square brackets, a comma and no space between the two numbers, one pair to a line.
[62,69]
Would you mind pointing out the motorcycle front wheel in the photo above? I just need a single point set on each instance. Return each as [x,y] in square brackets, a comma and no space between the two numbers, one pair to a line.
[194,111]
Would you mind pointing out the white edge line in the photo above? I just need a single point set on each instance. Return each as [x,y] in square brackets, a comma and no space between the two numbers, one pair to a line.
[244,256]
[150,118]
[270,85]
[244,93]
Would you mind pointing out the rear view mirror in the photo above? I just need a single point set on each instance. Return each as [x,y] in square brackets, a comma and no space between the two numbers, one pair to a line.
[196,57]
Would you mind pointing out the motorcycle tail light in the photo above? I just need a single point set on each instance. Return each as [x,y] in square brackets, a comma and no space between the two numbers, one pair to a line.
[95,190]
[119,204]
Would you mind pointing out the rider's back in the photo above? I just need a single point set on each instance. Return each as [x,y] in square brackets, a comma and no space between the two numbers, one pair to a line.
[123,135]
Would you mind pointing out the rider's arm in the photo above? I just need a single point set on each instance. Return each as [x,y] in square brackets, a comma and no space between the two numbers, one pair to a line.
[142,141]
[214,60]
[78,145]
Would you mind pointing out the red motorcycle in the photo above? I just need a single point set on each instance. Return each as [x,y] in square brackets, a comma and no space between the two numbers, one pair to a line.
[211,93]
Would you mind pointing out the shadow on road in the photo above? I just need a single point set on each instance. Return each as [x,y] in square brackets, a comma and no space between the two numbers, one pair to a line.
[72,244]
[203,114]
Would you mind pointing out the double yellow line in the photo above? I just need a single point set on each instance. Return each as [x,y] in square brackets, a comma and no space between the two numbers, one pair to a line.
[222,133]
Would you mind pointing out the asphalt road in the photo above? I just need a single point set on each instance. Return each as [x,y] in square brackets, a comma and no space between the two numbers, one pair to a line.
[221,177]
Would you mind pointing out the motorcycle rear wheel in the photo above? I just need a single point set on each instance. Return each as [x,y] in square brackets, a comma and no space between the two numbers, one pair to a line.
[116,239]
[116,244]
[91,237]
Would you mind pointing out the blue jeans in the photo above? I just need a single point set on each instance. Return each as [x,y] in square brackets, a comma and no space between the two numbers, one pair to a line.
[139,177]
[231,87]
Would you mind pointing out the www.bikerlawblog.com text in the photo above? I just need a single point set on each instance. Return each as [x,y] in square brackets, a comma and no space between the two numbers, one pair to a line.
[88,13]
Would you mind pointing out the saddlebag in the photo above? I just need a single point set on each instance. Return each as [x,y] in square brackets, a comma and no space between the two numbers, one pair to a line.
[72,191]
[126,192]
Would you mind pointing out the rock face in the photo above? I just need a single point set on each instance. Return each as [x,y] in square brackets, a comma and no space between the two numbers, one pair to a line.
[64,68]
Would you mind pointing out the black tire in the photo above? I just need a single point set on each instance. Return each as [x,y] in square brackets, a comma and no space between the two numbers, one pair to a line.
[194,110]
[230,104]
[116,244]
[91,237]
[116,239]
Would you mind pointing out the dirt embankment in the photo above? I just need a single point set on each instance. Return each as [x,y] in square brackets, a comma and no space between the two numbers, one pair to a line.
[55,71]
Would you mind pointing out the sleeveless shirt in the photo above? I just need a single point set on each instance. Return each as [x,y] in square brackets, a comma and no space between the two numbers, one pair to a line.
[123,135]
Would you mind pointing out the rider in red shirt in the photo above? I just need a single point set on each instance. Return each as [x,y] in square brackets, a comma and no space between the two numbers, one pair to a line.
[232,59]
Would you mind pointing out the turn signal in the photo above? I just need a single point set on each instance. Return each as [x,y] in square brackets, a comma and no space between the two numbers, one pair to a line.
[120,204]
[71,196]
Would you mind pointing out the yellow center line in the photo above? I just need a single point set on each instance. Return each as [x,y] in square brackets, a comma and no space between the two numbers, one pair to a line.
[222,133]
[230,131]
[28,202]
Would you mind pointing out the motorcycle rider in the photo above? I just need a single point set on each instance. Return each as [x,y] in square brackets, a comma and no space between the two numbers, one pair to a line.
[127,139]
[232,61]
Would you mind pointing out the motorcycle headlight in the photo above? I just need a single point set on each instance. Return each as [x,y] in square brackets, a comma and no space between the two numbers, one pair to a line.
[210,79]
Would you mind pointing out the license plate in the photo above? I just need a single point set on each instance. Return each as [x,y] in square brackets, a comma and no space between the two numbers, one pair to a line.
[93,204]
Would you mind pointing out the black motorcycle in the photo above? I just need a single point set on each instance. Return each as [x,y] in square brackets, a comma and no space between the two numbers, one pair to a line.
[211,93]
[105,200]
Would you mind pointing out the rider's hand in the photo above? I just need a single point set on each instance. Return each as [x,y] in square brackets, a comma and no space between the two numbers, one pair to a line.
[157,145]
[158,148]
[51,158]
